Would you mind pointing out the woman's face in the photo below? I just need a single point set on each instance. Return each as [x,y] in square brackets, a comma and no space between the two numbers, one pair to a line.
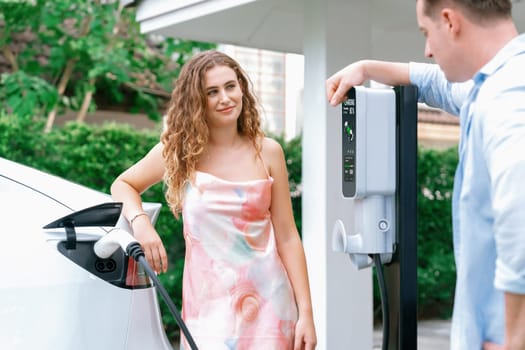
[224,96]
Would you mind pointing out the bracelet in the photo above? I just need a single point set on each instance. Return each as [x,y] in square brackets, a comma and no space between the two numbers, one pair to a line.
[136,216]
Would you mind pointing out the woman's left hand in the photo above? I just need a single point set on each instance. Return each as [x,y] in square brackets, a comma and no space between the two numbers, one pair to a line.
[305,338]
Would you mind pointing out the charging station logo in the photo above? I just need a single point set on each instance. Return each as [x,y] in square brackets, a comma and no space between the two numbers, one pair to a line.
[349,102]
[349,106]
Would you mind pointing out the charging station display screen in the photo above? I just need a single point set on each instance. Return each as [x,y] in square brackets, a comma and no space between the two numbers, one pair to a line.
[348,127]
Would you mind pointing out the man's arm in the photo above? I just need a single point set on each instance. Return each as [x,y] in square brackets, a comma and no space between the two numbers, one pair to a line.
[514,321]
[389,73]
[502,116]
[514,324]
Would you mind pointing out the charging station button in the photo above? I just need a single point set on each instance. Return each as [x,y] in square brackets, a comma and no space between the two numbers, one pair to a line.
[383,225]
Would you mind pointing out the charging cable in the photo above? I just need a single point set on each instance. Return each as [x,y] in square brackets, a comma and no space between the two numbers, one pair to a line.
[384,300]
[118,238]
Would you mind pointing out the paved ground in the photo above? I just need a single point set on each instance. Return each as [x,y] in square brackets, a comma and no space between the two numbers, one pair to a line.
[431,335]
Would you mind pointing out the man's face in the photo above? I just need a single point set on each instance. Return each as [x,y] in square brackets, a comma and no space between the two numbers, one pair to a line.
[439,43]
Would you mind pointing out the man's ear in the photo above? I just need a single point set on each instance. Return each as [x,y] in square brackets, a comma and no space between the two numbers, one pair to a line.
[452,20]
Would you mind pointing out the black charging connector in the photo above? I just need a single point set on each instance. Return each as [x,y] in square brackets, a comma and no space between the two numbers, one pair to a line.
[135,251]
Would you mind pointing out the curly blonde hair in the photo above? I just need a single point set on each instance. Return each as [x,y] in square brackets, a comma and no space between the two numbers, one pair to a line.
[186,132]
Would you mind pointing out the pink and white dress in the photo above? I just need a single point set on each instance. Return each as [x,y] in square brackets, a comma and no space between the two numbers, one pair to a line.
[236,292]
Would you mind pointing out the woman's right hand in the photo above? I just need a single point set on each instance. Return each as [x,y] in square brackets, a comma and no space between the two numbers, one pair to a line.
[151,243]
[127,189]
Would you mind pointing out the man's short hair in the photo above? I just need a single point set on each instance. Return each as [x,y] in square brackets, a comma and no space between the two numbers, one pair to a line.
[476,10]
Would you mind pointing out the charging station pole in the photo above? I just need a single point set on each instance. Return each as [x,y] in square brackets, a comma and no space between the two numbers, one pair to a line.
[401,272]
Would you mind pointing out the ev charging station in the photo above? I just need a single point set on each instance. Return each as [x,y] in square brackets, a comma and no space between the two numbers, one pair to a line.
[379,175]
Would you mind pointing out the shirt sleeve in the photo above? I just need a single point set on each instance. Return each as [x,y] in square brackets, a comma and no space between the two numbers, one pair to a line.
[435,90]
[503,114]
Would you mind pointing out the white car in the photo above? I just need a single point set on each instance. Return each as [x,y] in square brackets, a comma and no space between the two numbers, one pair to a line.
[55,293]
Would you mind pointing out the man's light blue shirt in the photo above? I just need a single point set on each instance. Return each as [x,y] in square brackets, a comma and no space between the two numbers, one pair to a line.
[489,189]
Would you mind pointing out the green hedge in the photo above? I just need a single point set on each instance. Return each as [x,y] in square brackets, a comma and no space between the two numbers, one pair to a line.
[436,271]
[95,155]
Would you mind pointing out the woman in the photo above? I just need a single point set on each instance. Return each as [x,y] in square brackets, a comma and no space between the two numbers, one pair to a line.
[245,283]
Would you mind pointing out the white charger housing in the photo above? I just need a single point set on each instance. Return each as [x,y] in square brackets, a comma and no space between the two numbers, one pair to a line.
[368,174]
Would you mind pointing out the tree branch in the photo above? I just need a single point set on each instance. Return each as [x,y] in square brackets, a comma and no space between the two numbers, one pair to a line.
[68,71]
[8,54]
[156,92]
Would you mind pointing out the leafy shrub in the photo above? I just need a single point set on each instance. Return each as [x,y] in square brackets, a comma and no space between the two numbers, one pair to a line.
[27,95]
[436,270]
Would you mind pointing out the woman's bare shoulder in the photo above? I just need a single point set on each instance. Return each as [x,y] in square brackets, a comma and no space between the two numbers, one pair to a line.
[273,154]
[271,146]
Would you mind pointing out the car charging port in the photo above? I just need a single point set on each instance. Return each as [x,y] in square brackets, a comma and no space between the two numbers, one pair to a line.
[105,265]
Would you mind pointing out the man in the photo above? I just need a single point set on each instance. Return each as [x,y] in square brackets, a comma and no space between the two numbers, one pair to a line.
[480,76]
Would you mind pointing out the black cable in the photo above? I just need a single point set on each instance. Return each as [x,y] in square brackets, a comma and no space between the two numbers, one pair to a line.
[384,300]
[135,251]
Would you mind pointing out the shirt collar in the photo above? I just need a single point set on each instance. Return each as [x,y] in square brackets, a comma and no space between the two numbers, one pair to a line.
[513,48]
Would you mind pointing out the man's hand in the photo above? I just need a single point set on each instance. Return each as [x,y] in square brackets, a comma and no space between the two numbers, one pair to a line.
[492,346]
[338,84]
[388,73]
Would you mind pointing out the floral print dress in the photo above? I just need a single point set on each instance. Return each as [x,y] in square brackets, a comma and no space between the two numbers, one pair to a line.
[236,293]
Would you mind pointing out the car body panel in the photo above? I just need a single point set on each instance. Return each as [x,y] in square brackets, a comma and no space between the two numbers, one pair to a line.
[48,301]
